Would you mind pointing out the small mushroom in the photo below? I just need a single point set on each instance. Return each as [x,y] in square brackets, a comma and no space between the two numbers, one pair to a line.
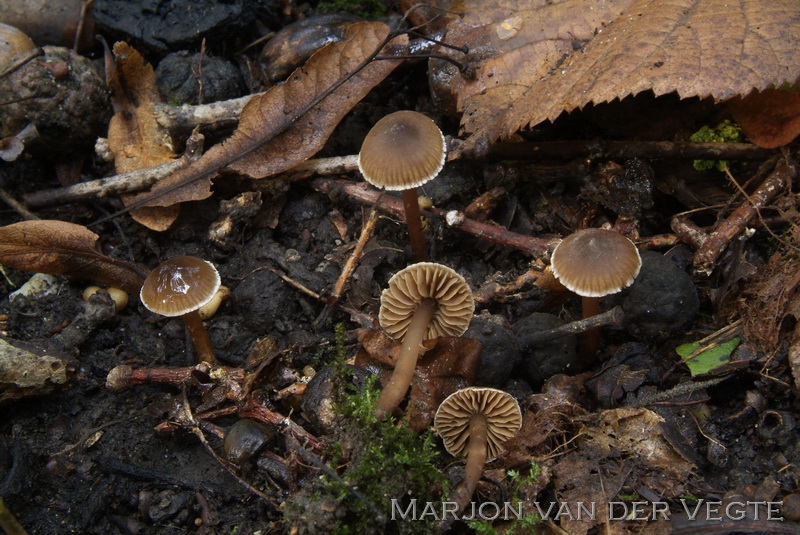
[404,150]
[475,422]
[594,263]
[179,287]
[120,297]
[423,301]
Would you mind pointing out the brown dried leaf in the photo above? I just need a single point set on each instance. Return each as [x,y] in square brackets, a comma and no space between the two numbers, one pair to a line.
[770,297]
[62,248]
[134,136]
[287,124]
[769,118]
[536,60]
[449,363]
[619,447]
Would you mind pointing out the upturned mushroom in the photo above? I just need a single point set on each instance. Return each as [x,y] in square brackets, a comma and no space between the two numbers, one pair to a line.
[402,151]
[475,422]
[594,263]
[423,301]
[179,287]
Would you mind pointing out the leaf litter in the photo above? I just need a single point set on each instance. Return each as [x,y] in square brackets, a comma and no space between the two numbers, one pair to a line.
[538,59]
[588,457]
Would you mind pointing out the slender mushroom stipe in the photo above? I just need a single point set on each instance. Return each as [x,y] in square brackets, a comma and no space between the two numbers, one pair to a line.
[423,301]
[594,263]
[475,422]
[402,151]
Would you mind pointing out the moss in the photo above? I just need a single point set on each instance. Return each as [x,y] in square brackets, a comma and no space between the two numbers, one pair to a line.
[373,461]
[724,132]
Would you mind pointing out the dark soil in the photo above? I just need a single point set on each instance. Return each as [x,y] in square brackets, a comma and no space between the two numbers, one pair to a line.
[86,460]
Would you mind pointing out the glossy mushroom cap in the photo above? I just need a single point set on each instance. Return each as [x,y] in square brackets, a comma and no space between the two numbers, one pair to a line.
[596,262]
[403,150]
[179,285]
[424,280]
[501,410]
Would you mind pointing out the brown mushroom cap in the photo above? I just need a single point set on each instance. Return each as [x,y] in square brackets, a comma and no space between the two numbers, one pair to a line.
[179,285]
[596,262]
[501,410]
[403,150]
[409,286]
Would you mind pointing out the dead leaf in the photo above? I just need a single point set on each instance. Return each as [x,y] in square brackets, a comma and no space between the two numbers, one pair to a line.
[620,447]
[290,122]
[536,59]
[61,248]
[448,364]
[134,136]
[769,118]
[770,297]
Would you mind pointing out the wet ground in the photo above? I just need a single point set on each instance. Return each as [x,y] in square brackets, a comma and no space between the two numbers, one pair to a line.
[85,460]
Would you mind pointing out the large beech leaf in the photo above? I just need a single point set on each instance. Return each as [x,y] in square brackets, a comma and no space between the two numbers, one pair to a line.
[62,248]
[290,122]
[535,59]
[134,136]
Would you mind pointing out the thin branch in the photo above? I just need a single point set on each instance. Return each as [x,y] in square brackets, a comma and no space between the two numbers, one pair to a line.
[364,194]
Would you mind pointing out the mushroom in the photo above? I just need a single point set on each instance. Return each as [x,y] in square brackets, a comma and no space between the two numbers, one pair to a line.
[179,287]
[594,263]
[423,301]
[475,422]
[404,150]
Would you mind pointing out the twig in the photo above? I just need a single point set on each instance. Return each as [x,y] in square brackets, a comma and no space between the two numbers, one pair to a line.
[261,413]
[628,149]
[8,522]
[124,377]
[687,231]
[349,267]
[17,206]
[393,206]
[179,120]
[615,316]
[195,429]
[730,227]
[114,185]
[492,291]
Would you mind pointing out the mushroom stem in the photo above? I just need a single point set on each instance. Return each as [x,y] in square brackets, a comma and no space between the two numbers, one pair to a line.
[395,390]
[591,338]
[419,249]
[476,453]
[199,335]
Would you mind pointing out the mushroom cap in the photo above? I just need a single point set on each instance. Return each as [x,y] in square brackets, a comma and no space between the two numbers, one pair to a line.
[596,262]
[409,286]
[179,285]
[403,150]
[501,410]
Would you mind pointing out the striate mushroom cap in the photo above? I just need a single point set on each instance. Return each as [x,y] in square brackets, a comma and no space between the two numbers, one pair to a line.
[179,285]
[403,150]
[408,287]
[596,262]
[501,410]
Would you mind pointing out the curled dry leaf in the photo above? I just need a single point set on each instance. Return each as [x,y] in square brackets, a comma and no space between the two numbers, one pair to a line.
[769,118]
[290,122]
[134,136]
[535,59]
[62,248]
